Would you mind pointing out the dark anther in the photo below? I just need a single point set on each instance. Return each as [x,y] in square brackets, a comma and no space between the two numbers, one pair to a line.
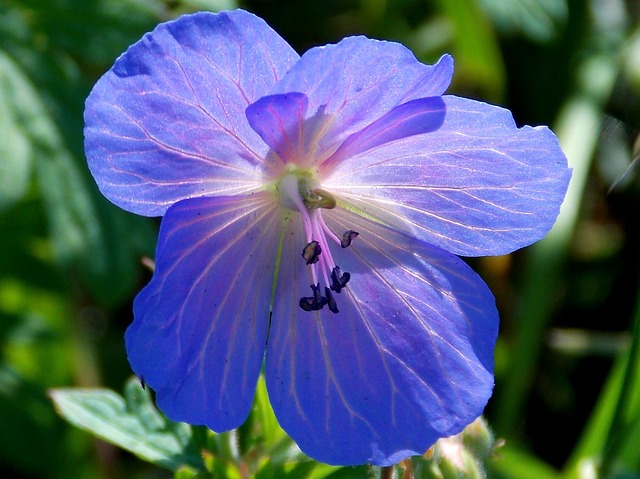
[333,307]
[311,252]
[348,237]
[315,302]
[339,279]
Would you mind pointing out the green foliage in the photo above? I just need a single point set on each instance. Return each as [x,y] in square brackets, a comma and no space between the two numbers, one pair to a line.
[475,47]
[539,20]
[15,99]
[260,448]
[66,255]
[70,261]
[132,423]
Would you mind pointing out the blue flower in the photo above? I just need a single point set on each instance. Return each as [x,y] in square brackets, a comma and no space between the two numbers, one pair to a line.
[313,210]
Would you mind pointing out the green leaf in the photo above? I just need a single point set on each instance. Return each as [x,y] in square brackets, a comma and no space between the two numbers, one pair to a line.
[577,128]
[628,453]
[272,433]
[15,152]
[298,470]
[131,423]
[620,450]
[539,20]
[186,472]
[185,6]
[30,429]
[221,468]
[99,244]
[514,463]
[294,470]
[262,432]
[475,47]
[325,471]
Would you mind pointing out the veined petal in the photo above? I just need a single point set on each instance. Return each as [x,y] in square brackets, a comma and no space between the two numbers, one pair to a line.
[415,117]
[407,360]
[200,325]
[168,122]
[477,185]
[358,80]
[279,120]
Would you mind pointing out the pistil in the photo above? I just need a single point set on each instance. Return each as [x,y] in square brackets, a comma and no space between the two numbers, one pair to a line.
[297,191]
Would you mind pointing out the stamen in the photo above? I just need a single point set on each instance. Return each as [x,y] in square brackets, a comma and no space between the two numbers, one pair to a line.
[348,237]
[311,252]
[327,231]
[296,192]
[339,279]
[333,306]
[319,198]
[315,302]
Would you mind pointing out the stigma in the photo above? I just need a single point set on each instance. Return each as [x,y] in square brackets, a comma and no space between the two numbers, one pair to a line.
[297,190]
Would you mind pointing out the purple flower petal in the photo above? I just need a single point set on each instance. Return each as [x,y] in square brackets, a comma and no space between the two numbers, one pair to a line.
[477,185]
[168,122]
[358,80]
[415,117]
[407,360]
[200,325]
[279,120]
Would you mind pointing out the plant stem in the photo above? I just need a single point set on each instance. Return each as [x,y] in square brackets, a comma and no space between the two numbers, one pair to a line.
[620,421]
[386,472]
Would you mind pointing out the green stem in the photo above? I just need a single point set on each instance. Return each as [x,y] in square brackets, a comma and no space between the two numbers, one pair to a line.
[386,472]
[620,423]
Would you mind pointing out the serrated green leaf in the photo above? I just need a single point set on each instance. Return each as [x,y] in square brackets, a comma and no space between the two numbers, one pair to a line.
[106,414]
[138,401]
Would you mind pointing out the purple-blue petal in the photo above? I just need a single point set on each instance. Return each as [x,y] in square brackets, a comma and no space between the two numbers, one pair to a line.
[476,185]
[415,117]
[358,80]
[408,359]
[167,121]
[279,120]
[200,325]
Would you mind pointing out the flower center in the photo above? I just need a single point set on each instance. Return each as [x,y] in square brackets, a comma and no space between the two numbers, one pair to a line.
[299,191]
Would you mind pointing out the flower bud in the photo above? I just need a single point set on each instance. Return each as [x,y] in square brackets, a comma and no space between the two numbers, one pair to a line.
[463,456]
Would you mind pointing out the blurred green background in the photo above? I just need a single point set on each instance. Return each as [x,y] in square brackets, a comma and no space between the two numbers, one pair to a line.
[568,370]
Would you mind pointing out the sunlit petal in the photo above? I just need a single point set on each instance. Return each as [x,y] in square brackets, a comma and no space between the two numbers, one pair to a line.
[477,185]
[167,121]
[407,360]
[313,209]
[279,120]
[415,117]
[358,80]
[200,325]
